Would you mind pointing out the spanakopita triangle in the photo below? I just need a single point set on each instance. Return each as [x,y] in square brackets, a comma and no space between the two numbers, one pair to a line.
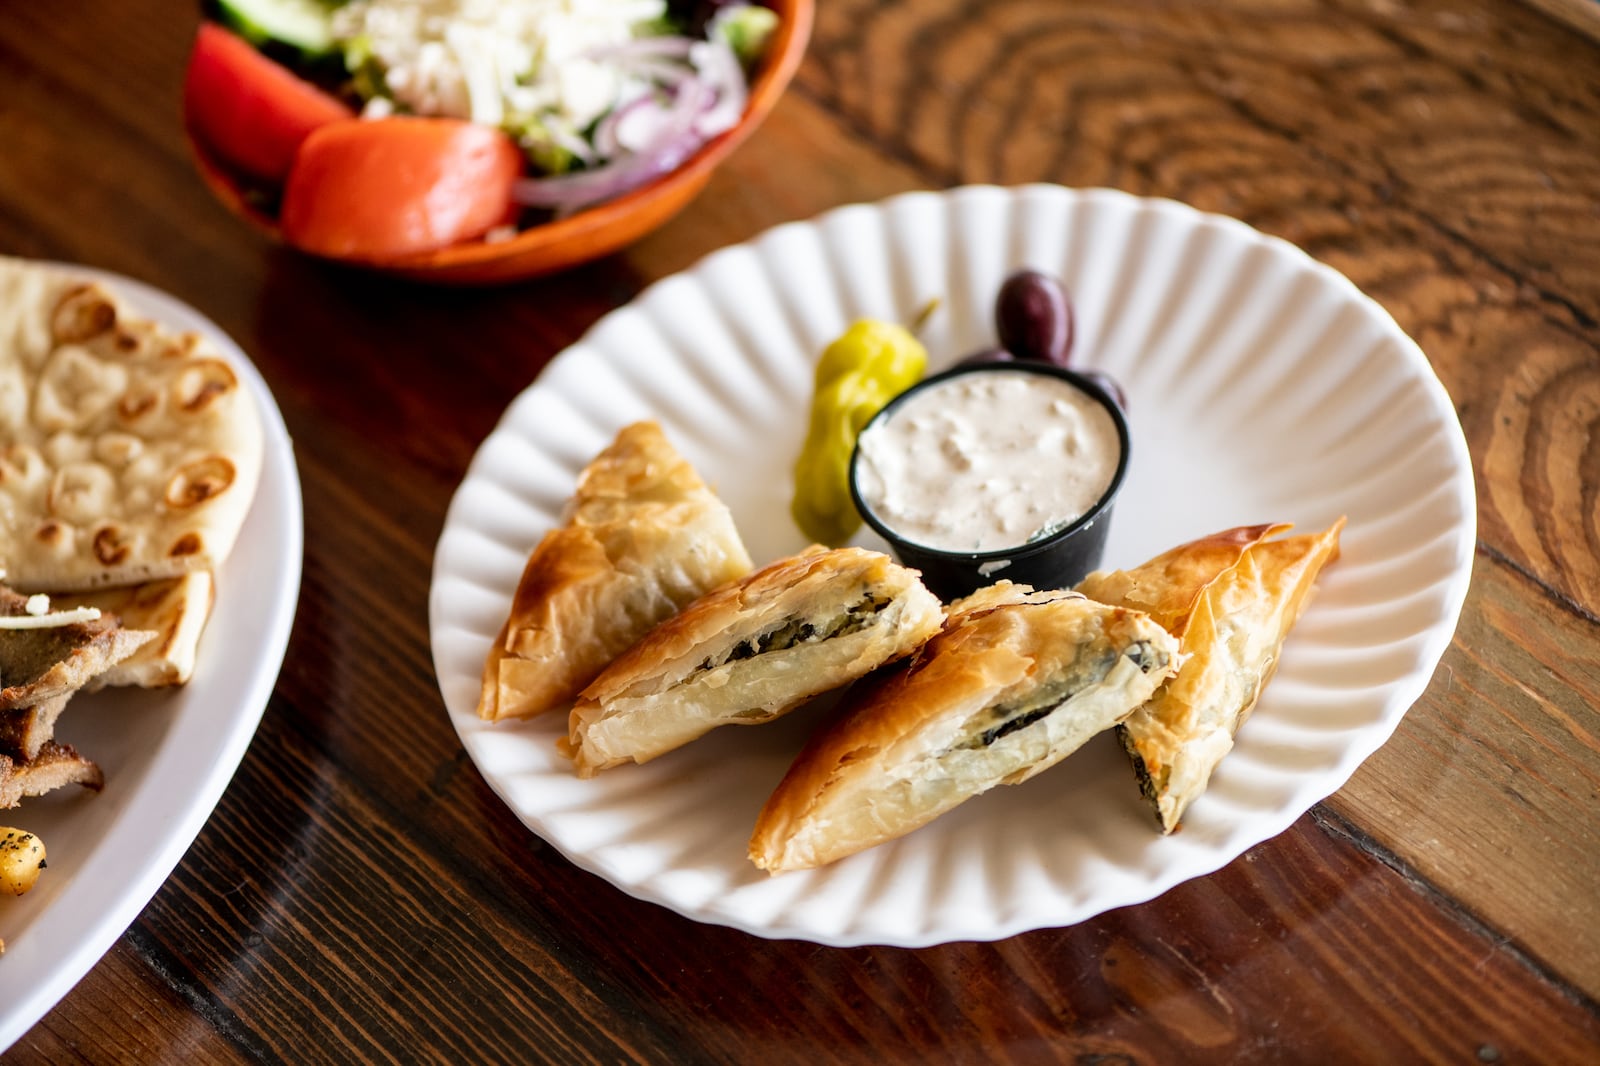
[751,652]
[1015,682]
[642,537]
[1230,600]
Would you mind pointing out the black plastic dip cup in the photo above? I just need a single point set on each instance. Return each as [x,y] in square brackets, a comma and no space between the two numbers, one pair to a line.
[1056,561]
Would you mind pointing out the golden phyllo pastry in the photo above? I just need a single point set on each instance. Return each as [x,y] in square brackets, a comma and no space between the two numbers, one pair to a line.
[1230,599]
[752,651]
[641,537]
[1016,681]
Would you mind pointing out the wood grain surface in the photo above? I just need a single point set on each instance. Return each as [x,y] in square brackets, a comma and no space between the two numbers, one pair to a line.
[361,894]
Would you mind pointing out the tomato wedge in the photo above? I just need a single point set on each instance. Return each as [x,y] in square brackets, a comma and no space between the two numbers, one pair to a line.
[381,188]
[249,111]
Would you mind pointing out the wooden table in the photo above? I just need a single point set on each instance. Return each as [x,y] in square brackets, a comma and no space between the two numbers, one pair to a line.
[361,894]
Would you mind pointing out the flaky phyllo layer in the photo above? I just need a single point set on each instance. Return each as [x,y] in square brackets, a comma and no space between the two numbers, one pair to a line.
[642,536]
[1016,681]
[752,651]
[1230,599]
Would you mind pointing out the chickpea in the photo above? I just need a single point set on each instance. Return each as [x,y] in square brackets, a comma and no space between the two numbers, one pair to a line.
[21,859]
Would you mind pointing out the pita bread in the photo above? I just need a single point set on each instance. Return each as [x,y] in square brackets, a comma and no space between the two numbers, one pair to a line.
[643,536]
[752,651]
[174,610]
[130,452]
[1016,681]
[1230,599]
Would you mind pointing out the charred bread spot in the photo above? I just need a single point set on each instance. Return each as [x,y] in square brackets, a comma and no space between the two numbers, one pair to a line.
[130,339]
[201,383]
[199,481]
[188,544]
[53,534]
[111,546]
[134,405]
[83,313]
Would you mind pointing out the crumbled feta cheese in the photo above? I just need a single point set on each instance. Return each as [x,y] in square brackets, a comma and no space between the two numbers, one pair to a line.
[499,62]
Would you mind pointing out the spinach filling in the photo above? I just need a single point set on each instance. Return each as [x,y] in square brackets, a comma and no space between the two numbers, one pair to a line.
[1086,672]
[1023,720]
[797,631]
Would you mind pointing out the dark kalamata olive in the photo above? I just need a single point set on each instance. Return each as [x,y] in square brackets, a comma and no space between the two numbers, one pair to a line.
[694,15]
[1033,318]
[1108,385]
[987,355]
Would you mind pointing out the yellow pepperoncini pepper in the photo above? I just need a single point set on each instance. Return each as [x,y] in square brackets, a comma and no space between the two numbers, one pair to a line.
[869,365]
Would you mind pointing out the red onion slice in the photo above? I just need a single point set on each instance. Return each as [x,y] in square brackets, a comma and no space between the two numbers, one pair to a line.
[720,67]
[708,96]
[674,142]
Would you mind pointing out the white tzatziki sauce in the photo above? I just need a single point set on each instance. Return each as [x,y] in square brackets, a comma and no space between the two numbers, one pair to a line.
[988,461]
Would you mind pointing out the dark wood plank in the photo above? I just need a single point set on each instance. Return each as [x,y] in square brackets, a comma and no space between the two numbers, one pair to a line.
[315,911]
[1582,15]
[130,1013]
[1488,784]
[307,910]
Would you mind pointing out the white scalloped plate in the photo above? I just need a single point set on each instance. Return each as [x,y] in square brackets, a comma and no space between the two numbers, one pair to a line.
[1263,386]
[167,755]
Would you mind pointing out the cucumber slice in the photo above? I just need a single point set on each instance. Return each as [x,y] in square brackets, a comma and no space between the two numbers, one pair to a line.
[301,24]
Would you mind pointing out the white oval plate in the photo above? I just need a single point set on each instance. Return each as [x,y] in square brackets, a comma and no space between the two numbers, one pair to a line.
[167,755]
[1263,386]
